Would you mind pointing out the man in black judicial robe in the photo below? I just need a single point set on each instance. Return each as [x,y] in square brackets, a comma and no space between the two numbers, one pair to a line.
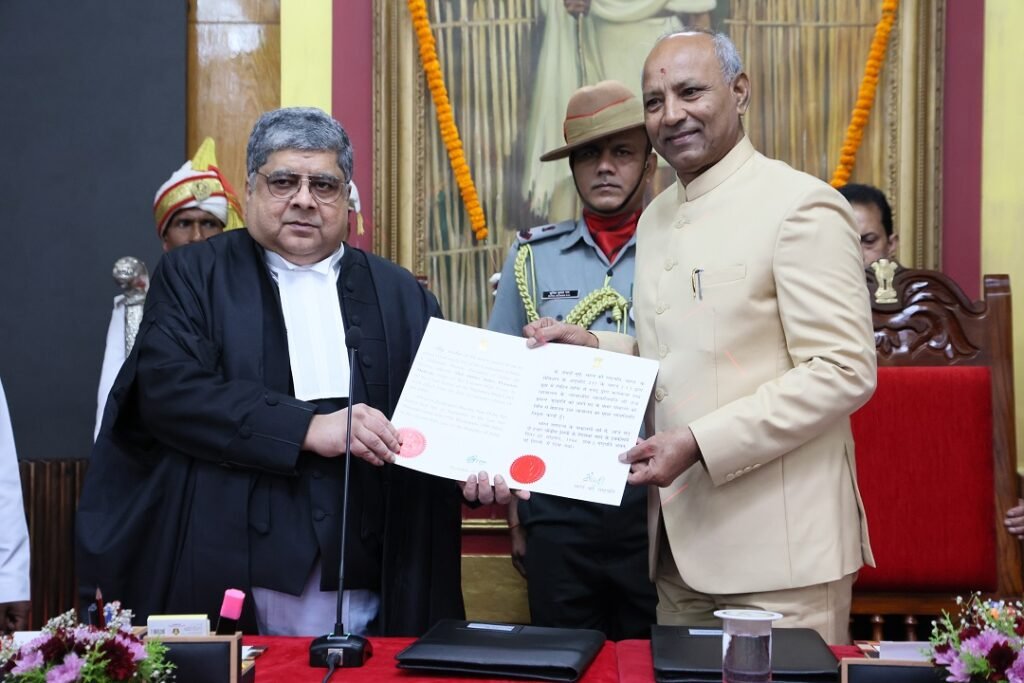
[209,474]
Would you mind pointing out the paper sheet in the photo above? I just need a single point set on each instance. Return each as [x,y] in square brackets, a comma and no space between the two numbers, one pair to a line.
[552,419]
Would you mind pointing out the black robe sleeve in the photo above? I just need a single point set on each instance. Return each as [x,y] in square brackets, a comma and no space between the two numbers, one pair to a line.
[422,579]
[184,399]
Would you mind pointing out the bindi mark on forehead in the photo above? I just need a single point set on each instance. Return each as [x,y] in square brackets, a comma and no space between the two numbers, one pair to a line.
[662,70]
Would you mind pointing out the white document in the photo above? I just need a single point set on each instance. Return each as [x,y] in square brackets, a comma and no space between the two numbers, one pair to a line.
[552,419]
[907,651]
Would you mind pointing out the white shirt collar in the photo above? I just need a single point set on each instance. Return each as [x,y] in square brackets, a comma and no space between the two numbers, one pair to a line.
[331,264]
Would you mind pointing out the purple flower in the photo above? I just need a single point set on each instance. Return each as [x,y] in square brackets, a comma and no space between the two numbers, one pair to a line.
[981,644]
[957,672]
[67,671]
[1016,672]
[133,646]
[37,642]
[29,661]
[944,654]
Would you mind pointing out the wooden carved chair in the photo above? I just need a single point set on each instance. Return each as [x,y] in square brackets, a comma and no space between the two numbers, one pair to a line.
[936,456]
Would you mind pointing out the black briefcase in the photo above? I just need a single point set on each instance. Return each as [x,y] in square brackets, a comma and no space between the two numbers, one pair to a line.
[503,650]
[683,654]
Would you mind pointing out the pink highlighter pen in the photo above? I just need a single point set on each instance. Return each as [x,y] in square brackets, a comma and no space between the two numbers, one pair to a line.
[230,612]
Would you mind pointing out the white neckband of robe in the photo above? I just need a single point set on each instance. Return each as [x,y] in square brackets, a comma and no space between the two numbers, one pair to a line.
[312,319]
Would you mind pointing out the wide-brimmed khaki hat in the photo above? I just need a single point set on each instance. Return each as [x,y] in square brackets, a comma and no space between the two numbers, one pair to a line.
[597,111]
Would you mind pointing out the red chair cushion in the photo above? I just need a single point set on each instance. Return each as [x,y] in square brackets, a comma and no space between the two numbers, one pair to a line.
[924,465]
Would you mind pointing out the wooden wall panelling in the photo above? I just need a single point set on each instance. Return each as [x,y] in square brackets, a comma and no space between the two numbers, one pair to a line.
[491,586]
[493,590]
[234,75]
[51,489]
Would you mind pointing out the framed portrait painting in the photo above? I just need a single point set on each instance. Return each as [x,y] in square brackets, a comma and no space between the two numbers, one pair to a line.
[510,66]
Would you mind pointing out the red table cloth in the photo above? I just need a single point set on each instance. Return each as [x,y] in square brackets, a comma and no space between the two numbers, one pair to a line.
[287,660]
[635,666]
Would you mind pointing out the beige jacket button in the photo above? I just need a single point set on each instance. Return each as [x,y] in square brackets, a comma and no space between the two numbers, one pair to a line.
[730,477]
[659,394]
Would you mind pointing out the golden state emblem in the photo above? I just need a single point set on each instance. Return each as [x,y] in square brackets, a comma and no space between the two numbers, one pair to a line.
[201,190]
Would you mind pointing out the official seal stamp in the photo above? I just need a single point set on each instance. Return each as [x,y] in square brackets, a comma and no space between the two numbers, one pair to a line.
[413,442]
[527,469]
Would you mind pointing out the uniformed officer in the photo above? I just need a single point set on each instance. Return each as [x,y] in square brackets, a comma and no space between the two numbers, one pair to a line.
[585,563]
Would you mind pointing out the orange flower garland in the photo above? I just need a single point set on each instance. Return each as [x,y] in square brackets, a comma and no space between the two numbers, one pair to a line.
[866,95]
[445,118]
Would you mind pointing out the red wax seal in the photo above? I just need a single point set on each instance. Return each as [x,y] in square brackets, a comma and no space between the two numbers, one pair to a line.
[413,442]
[527,469]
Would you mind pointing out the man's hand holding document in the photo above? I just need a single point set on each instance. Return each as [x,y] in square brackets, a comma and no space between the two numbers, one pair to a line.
[552,419]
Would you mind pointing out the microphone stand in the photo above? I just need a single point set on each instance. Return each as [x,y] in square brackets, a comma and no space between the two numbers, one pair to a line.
[338,648]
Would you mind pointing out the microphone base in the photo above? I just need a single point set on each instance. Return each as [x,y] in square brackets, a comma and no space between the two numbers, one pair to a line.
[354,650]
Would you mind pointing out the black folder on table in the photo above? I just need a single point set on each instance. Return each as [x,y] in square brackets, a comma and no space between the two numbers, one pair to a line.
[683,654]
[503,650]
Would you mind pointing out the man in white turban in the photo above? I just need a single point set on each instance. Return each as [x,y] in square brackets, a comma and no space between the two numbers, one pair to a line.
[194,204]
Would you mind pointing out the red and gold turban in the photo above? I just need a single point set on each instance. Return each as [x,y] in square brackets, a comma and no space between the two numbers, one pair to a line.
[198,184]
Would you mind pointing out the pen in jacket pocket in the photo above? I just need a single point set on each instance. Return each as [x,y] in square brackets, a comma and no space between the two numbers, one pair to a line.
[698,290]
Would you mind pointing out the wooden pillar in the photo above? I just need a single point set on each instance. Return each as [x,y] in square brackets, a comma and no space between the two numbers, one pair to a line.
[234,75]
[1002,203]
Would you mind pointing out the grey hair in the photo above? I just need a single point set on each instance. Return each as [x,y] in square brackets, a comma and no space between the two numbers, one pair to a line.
[725,50]
[304,128]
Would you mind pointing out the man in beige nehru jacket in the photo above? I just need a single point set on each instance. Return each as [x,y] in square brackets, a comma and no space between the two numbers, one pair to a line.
[749,291]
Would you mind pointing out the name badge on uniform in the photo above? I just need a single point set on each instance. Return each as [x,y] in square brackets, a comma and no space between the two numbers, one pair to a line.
[560,294]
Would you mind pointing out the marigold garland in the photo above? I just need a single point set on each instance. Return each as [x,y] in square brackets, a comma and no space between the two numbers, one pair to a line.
[865,95]
[445,118]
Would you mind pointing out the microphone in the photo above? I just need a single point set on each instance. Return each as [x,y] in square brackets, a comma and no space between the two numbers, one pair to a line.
[339,648]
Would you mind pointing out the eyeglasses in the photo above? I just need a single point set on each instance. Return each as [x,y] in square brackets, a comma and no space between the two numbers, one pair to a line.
[326,189]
